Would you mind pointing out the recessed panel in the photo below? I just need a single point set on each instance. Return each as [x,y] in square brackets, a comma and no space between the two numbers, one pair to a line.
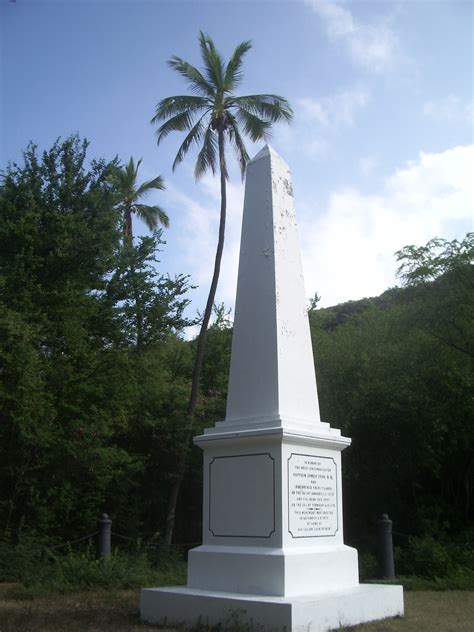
[242,496]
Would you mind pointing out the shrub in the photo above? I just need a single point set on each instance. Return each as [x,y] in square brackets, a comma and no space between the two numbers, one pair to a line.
[41,570]
[368,567]
[425,557]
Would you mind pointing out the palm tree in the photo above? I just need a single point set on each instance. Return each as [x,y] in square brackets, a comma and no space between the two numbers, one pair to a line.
[125,181]
[212,115]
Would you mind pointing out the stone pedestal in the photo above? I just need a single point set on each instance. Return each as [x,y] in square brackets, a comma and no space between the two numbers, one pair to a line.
[273,548]
[308,613]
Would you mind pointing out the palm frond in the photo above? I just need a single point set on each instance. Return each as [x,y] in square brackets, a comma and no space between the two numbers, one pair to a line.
[130,170]
[256,128]
[148,185]
[269,106]
[238,143]
[152,216]
[213,63]
[123,179]
[177,105]
[133,169]
[194,136]
[207,157]
[194,78]
[179,123]
[233,74]
[119,178]
[130,166]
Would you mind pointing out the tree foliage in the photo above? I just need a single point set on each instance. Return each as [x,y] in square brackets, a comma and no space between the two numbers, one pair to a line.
[85,323]
[440,277]
[396,373]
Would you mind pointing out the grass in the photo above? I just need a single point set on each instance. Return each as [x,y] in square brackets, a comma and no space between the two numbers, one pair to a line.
[117,611]
[91,611]
[426,611]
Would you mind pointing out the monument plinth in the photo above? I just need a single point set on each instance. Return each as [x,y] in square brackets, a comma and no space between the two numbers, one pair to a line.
[273,545]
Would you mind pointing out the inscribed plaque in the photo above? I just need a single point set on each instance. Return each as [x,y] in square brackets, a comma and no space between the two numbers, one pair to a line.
[312,496]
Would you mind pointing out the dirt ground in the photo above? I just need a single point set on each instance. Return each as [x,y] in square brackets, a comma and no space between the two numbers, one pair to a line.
[117,611]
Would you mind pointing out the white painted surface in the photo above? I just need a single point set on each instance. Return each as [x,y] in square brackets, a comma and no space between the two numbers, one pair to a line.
[277,572]
[242,493]
[279,562]
[311,613]
[252,491]
[272,370]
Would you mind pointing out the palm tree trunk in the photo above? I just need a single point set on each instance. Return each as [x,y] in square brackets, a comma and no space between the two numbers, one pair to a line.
[127,229]
[176,485]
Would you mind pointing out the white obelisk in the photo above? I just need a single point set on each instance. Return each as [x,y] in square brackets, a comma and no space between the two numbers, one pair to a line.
[272,517]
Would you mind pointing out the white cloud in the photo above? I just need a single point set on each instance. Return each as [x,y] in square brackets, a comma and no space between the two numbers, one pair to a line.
[337,110]
[373,46]
[348,250]
[451,109]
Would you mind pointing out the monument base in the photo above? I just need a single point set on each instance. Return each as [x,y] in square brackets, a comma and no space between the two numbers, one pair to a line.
[181,605]
[272,571]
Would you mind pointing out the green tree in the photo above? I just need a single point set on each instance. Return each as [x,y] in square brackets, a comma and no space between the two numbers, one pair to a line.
[59,236]
[439,278]
[130,193]
[440,275]
[84,417]
[147,305]
[212,116]
[422,264]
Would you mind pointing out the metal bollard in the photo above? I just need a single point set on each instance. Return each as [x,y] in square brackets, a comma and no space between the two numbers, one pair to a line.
[104,526]
[385,548]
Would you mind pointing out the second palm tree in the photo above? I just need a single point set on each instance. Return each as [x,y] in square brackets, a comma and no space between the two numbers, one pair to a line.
[125,181]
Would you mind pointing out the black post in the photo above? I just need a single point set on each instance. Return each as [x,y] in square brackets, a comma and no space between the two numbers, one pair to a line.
[385,548]
[104,526]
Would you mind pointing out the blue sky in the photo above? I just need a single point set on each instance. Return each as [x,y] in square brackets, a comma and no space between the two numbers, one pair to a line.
[381,150]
